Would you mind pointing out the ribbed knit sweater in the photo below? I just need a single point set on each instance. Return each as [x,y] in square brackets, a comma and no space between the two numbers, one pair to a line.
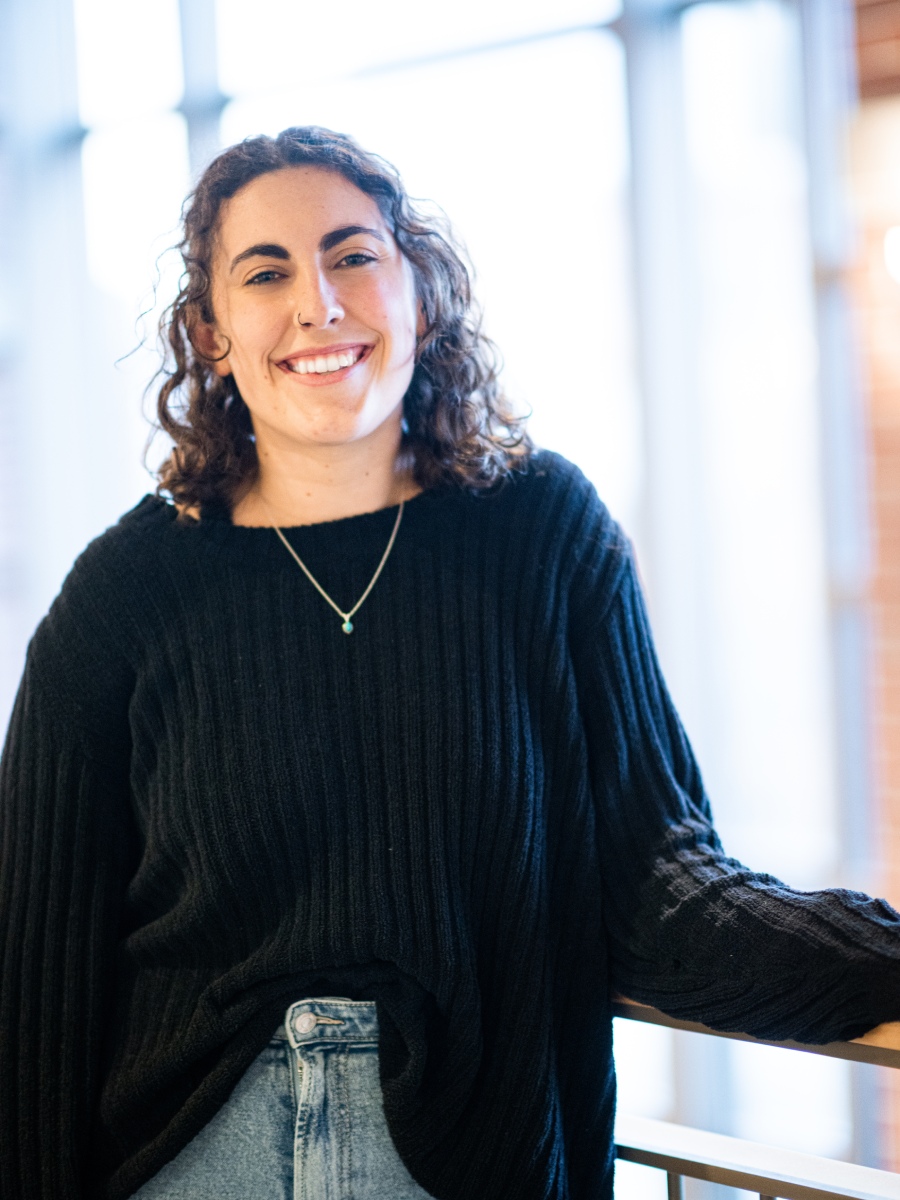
[478,809]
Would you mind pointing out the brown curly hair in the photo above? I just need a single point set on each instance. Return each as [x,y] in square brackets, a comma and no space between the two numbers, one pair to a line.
[457,424]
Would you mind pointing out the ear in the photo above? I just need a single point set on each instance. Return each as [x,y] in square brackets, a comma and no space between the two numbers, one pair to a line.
[421,319]
[206,340]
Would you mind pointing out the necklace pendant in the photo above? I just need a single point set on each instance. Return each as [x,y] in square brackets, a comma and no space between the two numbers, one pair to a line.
[346,623]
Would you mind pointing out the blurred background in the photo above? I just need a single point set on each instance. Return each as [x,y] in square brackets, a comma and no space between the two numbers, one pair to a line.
[685,223]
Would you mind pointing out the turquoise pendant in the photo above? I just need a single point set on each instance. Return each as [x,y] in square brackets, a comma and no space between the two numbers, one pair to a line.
[347,627]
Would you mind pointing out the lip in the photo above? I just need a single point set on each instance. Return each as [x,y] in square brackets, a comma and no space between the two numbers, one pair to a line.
[333,376]
[335,348]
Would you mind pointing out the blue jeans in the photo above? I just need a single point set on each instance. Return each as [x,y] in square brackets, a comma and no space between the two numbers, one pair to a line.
[305,1122]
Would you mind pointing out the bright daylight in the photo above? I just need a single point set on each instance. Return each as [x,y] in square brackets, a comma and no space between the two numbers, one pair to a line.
[450,607]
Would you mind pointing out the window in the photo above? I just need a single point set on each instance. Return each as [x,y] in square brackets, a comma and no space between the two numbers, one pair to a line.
[639,192]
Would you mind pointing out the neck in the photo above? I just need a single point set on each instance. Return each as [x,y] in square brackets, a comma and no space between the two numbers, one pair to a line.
[309,483]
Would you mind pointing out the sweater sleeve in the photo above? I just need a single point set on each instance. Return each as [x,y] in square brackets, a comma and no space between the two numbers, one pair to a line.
[65,847]
[691,931]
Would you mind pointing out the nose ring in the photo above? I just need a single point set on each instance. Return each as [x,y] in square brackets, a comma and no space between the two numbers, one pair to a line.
[299,318]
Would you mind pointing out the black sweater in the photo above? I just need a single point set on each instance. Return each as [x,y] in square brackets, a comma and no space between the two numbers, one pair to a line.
[478,809]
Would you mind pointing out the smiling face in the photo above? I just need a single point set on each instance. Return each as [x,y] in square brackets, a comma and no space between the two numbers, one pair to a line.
[316,306]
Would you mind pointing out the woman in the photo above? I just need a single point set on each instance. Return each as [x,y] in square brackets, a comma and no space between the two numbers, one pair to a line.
[341,791]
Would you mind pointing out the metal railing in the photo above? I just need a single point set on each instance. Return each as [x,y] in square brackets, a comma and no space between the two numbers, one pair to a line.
[685,1153]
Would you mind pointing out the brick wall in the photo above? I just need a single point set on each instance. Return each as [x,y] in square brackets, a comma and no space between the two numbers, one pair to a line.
[876,191]
[878,47]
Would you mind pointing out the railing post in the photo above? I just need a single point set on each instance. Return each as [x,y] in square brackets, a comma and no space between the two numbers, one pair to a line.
[676,1186]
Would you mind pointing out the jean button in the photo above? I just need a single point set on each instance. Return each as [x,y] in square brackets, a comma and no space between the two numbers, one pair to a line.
[305,1023]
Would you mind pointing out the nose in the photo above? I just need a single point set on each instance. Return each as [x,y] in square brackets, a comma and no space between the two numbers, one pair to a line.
[315,302]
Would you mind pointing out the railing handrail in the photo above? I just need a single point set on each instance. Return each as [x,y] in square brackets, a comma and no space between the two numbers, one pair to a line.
[880,1046]
[769,1170]
[682,1151]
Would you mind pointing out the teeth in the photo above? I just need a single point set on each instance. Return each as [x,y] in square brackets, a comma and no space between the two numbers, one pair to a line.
[323,364]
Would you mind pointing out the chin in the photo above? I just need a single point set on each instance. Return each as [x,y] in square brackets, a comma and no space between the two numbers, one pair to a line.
[339,429]
[335,434]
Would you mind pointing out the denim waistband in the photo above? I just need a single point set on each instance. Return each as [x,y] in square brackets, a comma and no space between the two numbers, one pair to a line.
[329,1019]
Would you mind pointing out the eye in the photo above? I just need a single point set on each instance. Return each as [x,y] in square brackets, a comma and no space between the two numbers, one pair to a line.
[356,259]
[267,276]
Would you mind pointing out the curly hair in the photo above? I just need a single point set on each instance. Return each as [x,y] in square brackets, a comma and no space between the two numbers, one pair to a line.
[457,425]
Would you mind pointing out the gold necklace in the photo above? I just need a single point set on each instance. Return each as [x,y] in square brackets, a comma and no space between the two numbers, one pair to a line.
[347,624]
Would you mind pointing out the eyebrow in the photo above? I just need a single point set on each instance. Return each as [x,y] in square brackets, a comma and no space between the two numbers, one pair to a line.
[330,240]
[260,250]
[327,242]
